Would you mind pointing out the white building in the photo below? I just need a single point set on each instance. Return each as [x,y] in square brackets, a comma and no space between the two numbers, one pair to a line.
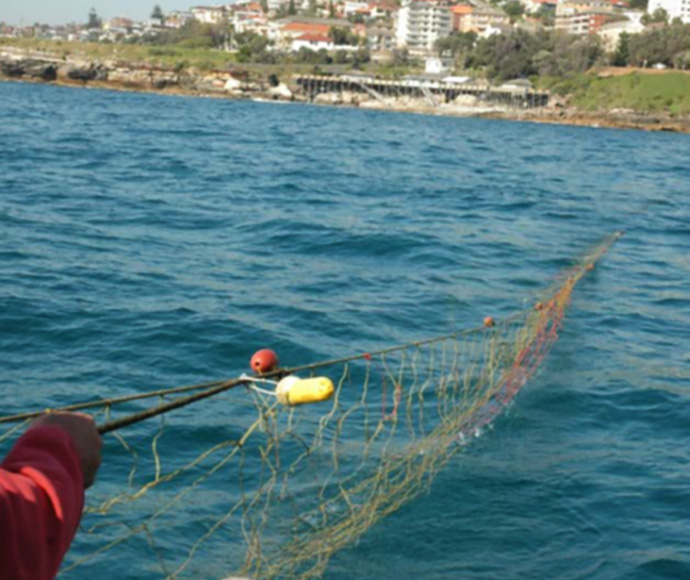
[436,66]
[675,8]
[420,24]
[209,14]
[352,7]
[177,19]
[610,33]
[314,42]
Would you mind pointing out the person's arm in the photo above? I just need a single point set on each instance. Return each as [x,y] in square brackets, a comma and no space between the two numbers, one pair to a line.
[42,482]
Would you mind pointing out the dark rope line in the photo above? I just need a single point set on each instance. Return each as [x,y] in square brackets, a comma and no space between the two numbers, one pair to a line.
[109,402]
[176,404]
[210,386]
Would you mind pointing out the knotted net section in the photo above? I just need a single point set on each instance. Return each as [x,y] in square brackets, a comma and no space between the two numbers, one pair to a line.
[264,491]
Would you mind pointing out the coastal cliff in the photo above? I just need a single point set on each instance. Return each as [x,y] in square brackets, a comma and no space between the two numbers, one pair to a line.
[20,65]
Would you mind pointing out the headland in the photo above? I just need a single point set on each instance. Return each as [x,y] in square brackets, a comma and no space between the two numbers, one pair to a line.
[352,89]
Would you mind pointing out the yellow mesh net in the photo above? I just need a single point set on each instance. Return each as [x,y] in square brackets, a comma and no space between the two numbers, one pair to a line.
[277,490]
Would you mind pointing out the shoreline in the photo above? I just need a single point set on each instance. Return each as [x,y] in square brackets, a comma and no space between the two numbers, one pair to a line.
[130,77]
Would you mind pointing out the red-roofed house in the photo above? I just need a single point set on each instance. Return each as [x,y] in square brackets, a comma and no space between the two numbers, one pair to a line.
[296,29]
[283,32]
[312,41]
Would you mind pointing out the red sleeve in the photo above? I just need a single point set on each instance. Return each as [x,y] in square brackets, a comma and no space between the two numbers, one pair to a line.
[41,500]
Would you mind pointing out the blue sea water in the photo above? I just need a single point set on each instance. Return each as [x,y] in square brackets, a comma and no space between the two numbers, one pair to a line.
[150,241]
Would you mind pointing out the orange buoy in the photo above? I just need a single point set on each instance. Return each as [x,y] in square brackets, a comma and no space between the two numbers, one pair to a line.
[489,322]
[264,361]
[366,356]
[539,306]
[590,267]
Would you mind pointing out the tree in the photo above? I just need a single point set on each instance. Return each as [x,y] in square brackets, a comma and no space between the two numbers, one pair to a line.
[659,15]
[546,63]
[514,9]
[659,46]
[157,13]
[622,54]
[342,36]
[521,54]
[682,60]
[401,57]
[94,21]
[546,15]
[331,9]
[638,4]
[291,8]
[360,57]
[457,43]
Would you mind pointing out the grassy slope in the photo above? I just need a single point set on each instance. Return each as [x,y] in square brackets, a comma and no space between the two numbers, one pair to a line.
[171,56]
[645,93]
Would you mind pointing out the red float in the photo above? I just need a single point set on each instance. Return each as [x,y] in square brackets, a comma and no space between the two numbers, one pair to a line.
[264,361]
[489,322]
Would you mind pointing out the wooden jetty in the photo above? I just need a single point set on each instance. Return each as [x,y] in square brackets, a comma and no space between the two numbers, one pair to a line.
[436,92]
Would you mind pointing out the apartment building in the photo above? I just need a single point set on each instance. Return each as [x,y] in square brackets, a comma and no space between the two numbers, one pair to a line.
[419,24]
[477,17]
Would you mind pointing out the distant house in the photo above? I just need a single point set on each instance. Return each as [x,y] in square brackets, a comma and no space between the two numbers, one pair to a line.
[284,31]
[588,22]
[383,9]
[534,6]
[584,17]
[477,17]
[177,19]
[353,6]
[119,24]
[209,14]
[313,42]
[249,17]
[380,39]
[437,65]
[493,29]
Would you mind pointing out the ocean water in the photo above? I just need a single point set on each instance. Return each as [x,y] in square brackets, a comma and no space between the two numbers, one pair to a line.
[150,241]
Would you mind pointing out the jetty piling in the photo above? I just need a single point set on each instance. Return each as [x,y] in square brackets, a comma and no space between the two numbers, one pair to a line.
[434,92]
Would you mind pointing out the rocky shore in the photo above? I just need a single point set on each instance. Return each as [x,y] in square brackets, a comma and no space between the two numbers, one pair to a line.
[141,77]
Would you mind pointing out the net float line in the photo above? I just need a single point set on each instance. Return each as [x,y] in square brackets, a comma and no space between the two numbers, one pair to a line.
[212,388]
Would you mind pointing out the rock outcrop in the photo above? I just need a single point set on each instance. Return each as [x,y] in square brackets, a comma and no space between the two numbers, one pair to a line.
[129,76]
[28,67]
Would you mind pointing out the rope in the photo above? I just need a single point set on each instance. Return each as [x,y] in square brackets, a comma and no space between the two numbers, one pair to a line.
[217,387]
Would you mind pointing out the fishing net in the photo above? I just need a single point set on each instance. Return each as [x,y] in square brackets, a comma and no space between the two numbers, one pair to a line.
[278,490]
